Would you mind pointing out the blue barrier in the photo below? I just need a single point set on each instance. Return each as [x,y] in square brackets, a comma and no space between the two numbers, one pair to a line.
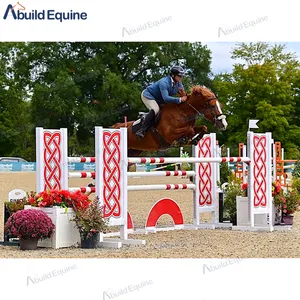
[31,167]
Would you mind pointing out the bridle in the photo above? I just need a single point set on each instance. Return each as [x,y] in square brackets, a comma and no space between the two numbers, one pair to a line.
[215,118]
[207,107]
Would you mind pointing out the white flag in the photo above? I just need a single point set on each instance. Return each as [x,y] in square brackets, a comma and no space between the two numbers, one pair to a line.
[252,124]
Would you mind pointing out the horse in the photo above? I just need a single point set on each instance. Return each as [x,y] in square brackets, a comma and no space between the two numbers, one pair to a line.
[174,126]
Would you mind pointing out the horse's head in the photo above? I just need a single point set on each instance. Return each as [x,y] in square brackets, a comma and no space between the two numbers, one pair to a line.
[203,100]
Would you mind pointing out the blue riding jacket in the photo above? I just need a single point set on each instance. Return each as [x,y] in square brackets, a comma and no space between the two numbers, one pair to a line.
[162,90]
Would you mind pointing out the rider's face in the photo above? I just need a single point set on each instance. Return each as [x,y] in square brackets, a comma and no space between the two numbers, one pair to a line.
[178,78]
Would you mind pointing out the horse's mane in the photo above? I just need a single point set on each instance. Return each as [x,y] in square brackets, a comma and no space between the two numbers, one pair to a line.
[197,89]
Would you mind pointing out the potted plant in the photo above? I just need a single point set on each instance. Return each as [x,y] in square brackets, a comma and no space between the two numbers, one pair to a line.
[288,202]
[90,222]
[29,226]
[185,166]
[60,198]
[232,190]
[60,206]
[15,205]
[277,193]
[10,207]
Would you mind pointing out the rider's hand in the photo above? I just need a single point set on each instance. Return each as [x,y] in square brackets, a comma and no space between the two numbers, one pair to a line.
[183,99]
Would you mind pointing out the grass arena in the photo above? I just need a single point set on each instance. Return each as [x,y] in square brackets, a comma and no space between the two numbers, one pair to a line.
[204,243]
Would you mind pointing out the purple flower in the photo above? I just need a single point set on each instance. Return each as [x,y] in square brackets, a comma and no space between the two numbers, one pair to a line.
[30,223]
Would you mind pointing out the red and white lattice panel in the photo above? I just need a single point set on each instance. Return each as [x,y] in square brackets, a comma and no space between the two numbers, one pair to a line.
[50,159]
[206,173]
[109,185]
[260,151]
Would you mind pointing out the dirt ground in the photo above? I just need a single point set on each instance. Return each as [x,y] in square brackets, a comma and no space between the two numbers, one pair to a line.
[173,244]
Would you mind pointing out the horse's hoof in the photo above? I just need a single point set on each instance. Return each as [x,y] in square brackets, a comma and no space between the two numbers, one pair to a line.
[196,139]
[183,141]
[195,142]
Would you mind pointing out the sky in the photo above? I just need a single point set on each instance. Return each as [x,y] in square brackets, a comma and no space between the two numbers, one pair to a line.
[221,61]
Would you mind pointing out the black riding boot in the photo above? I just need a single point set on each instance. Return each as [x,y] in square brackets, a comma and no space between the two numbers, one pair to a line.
[146,124]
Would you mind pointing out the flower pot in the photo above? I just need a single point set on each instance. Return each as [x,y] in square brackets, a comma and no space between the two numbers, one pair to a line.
[242,211]
[288,219]
[91,242]
[66,235]
[28,244]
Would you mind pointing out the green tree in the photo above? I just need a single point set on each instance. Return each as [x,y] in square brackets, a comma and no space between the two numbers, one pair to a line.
[264,86]
[15,127]
[82,85]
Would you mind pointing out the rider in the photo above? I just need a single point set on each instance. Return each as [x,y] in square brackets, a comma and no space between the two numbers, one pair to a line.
[160,93]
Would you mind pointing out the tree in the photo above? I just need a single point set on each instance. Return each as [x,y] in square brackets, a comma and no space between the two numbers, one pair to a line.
[265,86]
[15,128]
[82,85]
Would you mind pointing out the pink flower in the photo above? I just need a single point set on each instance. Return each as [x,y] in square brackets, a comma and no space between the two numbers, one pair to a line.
[30,223]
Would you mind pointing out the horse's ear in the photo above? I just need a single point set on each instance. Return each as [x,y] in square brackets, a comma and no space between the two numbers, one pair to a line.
[181,92]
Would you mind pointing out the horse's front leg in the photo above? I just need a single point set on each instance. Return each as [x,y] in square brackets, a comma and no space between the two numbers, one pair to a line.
[200,131]
[186,138]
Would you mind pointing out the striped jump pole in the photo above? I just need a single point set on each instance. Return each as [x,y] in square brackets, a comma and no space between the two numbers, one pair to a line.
[156,187]
[82,175]
[161,173]
[81,159]
[83,189]
[144,160]
[163,167]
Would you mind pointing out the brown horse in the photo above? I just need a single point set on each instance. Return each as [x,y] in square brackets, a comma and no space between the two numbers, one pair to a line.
[175,124]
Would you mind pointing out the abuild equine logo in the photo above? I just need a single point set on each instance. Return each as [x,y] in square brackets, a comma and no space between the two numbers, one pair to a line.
[18,12]
[222,264]
[111,294]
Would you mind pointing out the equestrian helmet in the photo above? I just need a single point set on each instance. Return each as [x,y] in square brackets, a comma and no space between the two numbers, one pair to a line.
[177,70]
